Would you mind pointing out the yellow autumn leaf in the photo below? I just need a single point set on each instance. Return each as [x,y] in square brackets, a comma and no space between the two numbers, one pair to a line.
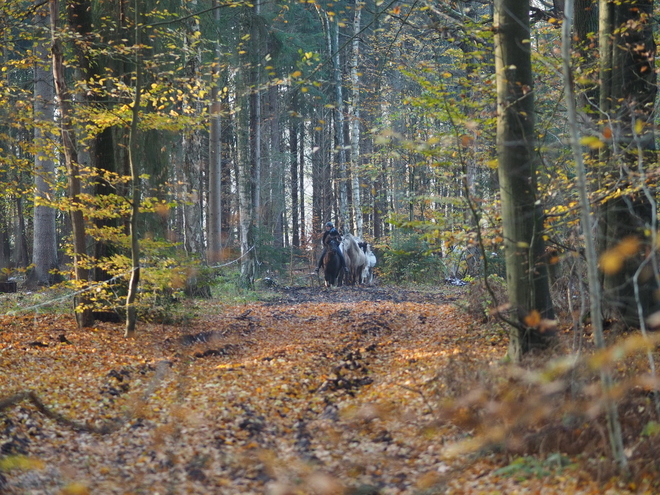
[639,126]
[20,462]
[628,246]
[75,489]
[611,262]
[592,142]
[296,74]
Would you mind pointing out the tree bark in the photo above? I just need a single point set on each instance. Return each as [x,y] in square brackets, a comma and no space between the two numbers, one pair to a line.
[192,147]
[276,170]
[293,152]
[131,310]
[84,315]
[613,423]
[248,154]
[628,91]
[354,115]
[44,246]
[527,280]
[214,222]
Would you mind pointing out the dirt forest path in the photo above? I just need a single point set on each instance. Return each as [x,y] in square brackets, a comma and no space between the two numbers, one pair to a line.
[315,391]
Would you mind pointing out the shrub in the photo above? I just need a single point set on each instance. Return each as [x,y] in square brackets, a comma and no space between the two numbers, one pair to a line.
[410,260]
[480,303]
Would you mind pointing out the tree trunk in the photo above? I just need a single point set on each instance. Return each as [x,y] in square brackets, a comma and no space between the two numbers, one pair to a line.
[613,423]
[44,247]
[192,148]
[293,153]
[84,316]
[21,255]
[628,91]
[214,222]
[340,130]
[301,183]
[249,155]
[527,280]
[354,115]
[131,310]
[276,180]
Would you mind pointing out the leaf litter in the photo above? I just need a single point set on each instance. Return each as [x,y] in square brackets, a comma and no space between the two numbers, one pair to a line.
[343,391]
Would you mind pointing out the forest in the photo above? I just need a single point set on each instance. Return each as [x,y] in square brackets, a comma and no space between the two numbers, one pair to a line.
[167,170]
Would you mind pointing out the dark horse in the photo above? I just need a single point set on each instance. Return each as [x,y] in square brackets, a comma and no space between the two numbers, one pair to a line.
[332,264]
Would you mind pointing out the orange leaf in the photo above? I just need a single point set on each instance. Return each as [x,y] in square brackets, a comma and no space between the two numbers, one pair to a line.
[533,319]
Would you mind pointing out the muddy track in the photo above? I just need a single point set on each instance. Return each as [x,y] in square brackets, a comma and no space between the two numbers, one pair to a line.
[298,295]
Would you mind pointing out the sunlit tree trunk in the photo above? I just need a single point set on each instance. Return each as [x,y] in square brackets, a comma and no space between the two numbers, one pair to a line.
[340,148]
[522,214]
[44,247]
[84,318]
[293,157]
[354,115]
[301,182]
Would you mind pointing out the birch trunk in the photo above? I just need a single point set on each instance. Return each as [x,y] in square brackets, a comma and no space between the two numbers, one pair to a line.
[354,116]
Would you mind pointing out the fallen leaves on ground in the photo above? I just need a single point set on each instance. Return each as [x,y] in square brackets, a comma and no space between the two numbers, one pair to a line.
[340,393]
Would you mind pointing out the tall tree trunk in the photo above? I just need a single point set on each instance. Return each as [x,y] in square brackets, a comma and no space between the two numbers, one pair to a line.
[99,151]
[301,185]
[354,115]
[228,156]
[613,423]
[44,246]
[293,153]
[276,182]
[131,310]
[255,111]
[249,153]
[84,317]
[192,148]
[317,181]
[529,293]
[214,222]
[628,91]
[340,148]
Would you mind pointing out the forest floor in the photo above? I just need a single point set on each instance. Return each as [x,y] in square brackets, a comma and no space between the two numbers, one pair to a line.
[362,391]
